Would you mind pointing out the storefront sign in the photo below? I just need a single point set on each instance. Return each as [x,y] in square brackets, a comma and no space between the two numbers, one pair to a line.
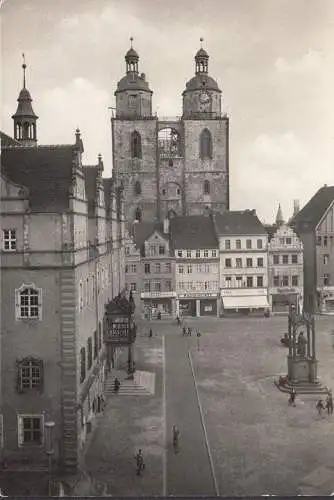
[197,295]
[157,295]
[286,290]
[118,332]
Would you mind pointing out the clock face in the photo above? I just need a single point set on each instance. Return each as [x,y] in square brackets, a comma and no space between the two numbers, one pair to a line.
[204,98]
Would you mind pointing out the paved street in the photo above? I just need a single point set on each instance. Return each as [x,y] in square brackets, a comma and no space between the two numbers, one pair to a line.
[258,444]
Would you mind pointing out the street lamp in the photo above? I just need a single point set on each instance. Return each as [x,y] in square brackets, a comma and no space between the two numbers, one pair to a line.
[49,450]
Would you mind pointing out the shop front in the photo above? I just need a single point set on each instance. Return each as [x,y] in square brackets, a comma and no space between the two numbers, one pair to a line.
[326,299]
[281,298]
[244,301]
[196,305]
[158,305]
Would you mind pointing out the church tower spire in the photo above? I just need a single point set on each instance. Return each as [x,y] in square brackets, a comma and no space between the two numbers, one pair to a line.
[25,118]
[279,216]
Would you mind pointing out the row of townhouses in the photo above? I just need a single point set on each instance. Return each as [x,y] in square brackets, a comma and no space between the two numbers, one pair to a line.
[216,264]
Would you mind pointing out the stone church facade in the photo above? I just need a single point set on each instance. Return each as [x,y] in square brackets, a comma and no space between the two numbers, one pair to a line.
[176,166]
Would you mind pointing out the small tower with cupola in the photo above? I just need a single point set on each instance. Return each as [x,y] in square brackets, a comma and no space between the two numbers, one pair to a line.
[134,142]
[25,119]
[206,142]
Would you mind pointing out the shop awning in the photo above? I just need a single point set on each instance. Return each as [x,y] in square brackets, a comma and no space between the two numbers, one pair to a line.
[249,302]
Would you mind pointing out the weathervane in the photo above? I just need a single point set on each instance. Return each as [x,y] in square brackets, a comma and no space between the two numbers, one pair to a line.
[24,70]
[201,40]
[131,40]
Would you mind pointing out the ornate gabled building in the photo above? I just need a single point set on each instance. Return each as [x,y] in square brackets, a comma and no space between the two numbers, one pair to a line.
[62,263]
[170,165]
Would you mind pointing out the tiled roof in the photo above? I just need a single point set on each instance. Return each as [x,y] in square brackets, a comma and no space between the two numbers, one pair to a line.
[7,141]
[271,230]
[243,222]
[90,186]
[143,230]
[193,232]
[46,172]
[311,214]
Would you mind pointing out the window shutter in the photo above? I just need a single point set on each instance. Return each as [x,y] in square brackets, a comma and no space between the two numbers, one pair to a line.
[20,431]
[19,379]
[41,384]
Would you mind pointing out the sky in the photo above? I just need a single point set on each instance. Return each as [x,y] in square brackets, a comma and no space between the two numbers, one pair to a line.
[273,60]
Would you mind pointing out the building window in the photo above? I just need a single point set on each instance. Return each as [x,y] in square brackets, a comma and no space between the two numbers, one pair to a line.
[205,145]
[179,253]
[325,241]
[9,240]
[206,268]
[285,281]
[138,214]
[285,259]
[238,280]
[294,281]
[214,253]
[157,268]
[249,282]
[127,251]
[89,353]
[227,244]
[259,243]
[28,302]
[189,269]
[96,346]
[133,268]
[294,259]
[136,145]
[259,281]
[126,269]
[206,253]
[198,254]
[249,262]
[30,374]
[326,258]
[228,263]
[326,279]
[288,241]
[181,269]
[147,268]
[206,187]
[319,240]
[238,244]
[147,286]
[162,249]
[238,262]
[157,286]
[168,285]
[30,430]
[206,285]
[189,254]
[276,259]
[248,244]
[276,280]
[82,364]
[168,267]
[228,281]
[137,188]
[133,287]
[259,262]
[199,268]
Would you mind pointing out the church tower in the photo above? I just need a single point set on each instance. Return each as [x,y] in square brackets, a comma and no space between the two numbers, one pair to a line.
[134,132]
[25,119]
[206,142]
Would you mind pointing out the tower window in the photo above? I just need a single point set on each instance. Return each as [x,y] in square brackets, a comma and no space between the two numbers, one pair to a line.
[206,187]
[136,145]
[138,215]
[137,188]
[169,144]
[205,146]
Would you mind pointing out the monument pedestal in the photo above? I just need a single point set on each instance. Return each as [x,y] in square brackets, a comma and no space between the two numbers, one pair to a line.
[302,370]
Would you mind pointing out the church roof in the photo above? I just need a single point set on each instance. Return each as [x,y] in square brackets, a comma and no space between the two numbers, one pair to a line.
[24,107]
[193,232]
[131,54]
[201,53]
[202,81]
[133,81]
[7,141]
[311,214]
[45,170]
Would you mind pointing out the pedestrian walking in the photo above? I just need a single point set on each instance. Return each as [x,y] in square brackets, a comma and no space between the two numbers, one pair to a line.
[117,385]
[139,462]
[189,331]
[150,333]
[320,406]
[178,321]
[176,435]
[184,331]
[329,403]
[198,338]
[292,398]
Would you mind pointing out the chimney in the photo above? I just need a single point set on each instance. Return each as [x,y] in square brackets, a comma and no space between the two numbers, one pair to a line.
[296,207]
[166,226]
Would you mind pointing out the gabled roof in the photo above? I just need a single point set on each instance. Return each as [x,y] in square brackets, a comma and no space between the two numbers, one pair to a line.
[271,230]
[193,232]
[244,222]
[311,214]
[45,170]
[143,230]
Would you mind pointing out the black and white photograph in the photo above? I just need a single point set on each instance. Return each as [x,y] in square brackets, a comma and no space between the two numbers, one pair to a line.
[167,248]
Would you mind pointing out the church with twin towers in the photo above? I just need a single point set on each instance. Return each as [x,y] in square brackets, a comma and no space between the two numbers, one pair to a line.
[170,166]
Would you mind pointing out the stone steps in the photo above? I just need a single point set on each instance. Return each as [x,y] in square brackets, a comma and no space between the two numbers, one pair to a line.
[142,385]
[301,387]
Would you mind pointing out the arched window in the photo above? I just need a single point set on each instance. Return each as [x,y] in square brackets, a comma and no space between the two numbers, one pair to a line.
[135,144]
[205,144]
[138,215]
[206,187]
[137,188]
